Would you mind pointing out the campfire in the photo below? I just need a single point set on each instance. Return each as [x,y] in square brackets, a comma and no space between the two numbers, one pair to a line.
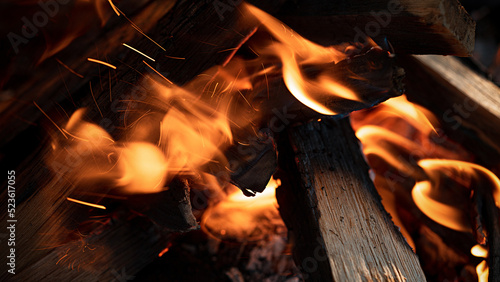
[213,140]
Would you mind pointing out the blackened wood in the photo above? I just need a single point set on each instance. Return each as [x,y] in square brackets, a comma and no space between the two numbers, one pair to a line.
[330,205]
[412,27]
[171,209]
[489,216]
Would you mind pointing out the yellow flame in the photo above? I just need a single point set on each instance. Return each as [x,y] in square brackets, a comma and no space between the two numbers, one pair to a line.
[295,52]
[433,197]
[143,168]
[482,271]
[479,251]
[241,217]
[416,115]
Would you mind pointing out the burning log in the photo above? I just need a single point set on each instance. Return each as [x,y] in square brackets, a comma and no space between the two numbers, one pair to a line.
[468,107]
[372,75]
[184,28]
[330,205]
[467,103]
[431,27]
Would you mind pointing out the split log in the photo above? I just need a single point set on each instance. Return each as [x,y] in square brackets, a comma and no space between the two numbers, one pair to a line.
[334,214]
[467,103]
[422,27]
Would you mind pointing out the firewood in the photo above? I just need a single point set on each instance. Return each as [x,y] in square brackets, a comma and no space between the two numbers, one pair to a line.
[467,103]
[333,212]
[424,27]
[195,39]
[468,107]
[371,75]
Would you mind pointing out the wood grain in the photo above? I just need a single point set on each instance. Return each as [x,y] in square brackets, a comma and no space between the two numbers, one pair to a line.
[332,203]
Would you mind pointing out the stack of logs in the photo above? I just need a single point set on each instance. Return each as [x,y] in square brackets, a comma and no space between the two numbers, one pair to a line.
[330,205]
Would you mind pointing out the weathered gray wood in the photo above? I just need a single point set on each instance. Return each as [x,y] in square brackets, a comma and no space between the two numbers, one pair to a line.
[330,203]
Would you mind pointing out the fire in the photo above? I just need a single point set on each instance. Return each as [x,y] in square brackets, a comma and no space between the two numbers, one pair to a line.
[482,271]
[479,251]
[239,217]
[408,153]
[445,202]
[482,268]
[295,53]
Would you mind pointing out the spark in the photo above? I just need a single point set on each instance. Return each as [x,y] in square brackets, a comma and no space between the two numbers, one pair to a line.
[215,88]
[66,86]
[139,29]
[74,136]
[175,58]
[267,82]
[114,7]
[163,252]
[161,133]
[158,72]
[51,120]
[68,68]
[85,203]
[230,49]
[130,47]
[245,99]
[92,93]
[207,43]
[102,63]
[63,257]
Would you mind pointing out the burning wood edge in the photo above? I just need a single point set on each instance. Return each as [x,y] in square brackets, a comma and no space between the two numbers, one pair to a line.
[333,212]
[468,104]
[372,76]
[430,27]
[489,215]
[170,209]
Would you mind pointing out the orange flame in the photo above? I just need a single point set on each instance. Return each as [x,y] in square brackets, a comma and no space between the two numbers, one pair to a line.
[244,218]
[400,134]
[482,271]
[445,203]
[295,52]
